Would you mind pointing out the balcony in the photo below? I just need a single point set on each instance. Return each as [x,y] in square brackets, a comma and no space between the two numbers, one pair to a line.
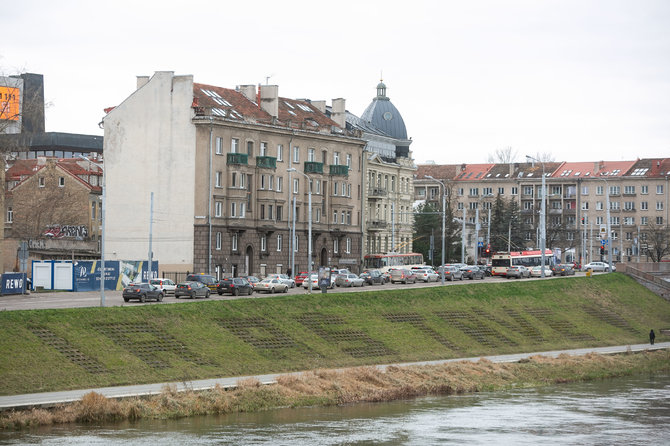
[339,170]
[377,225]
[266,162]
[313,167]
[237,158]
[377,192]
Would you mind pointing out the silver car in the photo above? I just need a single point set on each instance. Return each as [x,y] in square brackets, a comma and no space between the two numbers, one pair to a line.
[425,274]
[349,280]
[518,272]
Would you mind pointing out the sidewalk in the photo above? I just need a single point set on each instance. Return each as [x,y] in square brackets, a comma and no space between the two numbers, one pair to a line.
[54,398]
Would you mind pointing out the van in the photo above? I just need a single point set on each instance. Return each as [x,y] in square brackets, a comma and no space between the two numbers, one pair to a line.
[206,279]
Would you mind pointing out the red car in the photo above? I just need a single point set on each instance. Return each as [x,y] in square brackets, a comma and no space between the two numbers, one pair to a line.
[300,278]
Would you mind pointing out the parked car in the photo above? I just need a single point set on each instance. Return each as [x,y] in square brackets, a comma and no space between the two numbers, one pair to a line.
[403,276]
[387,276]
[349,280]
[425,274]
[563,269]
[167,286]
[142,292]
[473,272]
[193,290]
[234,286]
[206,279]
[271,286]
[300,278]
[314,277]
[283,278]
[252,279]
[536,271]
[518,272]
[488,269]
[372,276]
[597,266]
[451,273]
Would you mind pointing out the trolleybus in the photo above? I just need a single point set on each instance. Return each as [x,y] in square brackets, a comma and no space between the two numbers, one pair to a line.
[500,261]
[384,262]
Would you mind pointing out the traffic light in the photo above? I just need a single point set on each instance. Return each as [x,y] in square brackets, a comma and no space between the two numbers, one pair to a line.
[488,251]
[602,250]
[583,220]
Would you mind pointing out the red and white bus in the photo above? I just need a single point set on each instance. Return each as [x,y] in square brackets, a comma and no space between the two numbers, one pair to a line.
[500,261]
[384,262]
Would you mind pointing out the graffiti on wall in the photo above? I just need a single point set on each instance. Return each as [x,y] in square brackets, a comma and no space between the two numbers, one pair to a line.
[78,232]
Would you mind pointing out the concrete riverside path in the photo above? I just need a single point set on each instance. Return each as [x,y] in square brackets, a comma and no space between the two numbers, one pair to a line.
[55,398]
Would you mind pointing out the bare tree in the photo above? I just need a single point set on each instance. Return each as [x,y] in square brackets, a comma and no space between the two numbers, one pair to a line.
[544,157]
[505,155]
[657,238]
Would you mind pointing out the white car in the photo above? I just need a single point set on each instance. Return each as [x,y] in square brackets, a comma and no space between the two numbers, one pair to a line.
[536,271]
[597,266]
[315,282]
[167,286]
[283,278]
[425,274]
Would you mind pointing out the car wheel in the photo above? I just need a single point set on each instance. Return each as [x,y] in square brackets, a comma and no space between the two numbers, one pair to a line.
[160,297]
[220,293]
[193,295]
[207,295]
[236,292]
[272,290]
[286,290]
[143,298]
[125,299]
[175,296]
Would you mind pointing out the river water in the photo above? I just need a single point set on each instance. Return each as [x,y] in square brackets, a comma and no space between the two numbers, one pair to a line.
[626,411]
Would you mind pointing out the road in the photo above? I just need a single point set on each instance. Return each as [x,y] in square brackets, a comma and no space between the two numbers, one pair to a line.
[55,398]
[64,299]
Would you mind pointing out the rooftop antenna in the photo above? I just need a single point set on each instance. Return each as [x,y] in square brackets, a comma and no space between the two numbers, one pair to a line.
[267,78]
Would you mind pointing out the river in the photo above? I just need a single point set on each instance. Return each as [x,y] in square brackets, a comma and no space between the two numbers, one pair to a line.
[626,411]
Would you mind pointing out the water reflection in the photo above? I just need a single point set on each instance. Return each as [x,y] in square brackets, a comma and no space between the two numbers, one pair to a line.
[622,411]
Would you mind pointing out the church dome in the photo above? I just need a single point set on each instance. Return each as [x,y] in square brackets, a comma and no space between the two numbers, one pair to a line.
[383,115]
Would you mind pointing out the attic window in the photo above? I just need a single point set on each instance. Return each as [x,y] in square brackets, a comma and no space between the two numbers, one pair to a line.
[61,181]
[289,105]
[587,173]
[478,175]
[222,101]
[577,174]
[210,93]
[219,112]
[530,174]
[615,172]
[303,107]
[292,113]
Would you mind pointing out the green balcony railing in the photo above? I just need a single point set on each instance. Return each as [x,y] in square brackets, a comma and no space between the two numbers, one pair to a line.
[237,158]
[266,162]
[339,170]
[313,167]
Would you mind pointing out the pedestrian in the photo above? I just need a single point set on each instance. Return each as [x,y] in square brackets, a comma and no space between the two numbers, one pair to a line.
[652,336]
[289,271]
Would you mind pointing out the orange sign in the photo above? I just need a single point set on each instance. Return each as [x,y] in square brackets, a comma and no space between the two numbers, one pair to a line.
[9,103]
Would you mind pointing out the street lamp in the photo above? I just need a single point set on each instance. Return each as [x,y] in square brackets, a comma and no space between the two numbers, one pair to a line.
[609,228]
[102,235]
[543,216]
[444,215]
[309,218]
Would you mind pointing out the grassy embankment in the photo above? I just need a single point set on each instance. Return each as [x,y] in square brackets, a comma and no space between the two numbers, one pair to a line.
[49,350]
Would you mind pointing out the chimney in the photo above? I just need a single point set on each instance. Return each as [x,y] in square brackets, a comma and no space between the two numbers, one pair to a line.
[320,105]
[512,166]
[249,91]
[142,81]
[270,99]
[463,167]
[338,115]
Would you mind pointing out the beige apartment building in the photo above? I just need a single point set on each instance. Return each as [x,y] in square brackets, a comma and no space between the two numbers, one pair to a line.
[576,202]
[227,168]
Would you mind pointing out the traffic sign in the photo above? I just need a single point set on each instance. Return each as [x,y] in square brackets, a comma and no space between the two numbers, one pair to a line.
[480,244]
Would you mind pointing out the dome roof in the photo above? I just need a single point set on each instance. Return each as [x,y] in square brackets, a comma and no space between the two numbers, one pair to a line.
[383,115]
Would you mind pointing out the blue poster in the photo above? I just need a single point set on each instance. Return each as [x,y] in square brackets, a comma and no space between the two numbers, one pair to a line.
[14,283]
[118,274]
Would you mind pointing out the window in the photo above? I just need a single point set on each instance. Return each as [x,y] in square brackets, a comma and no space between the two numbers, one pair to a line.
[279,242]
[262,212]
[349,190]
[262,182]
[280,213]
[555,204]
[474,191]
[264,243]
[234,145]
[250,148]
[393,183]
[336,246]
[644,221]
[501,191]
[310,155]
[475,205]
[295,244]
[349,217]
[218,209]
[233,242]
[296,154]
[615,190]
[347,247]
[41,181]
[335,217]
[349,160]
[233,209]
[528,190]
[585,206]
[296,185]
[614,205]
[614,220]
[233,179]
[219,176]
[659,189]
[527,205]
[318,187]
[599,206]
[515,190]
[585,190]
[317,215]
[335,187]
[218,241]
[629,190]
[659,221]
[92,211]
[629,220]
[659,205]
[644,205]
[219,145]
[599,190]
[487,191]
[243,180]
[271,182]
[644,189]
[61,181]
[242,209]
[336,158]
[10,214]
[461,191]
[556,190]
[280,152]
[280,184]
[599,220]
[264,149]
[460,205]
[342,217]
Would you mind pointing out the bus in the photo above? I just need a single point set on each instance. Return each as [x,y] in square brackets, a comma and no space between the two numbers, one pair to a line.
[500,261]
[384,262]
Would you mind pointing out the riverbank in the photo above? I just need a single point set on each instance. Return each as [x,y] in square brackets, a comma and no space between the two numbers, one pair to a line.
[356,385]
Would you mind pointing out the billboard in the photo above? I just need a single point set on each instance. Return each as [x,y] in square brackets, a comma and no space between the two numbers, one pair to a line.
[9,103]
[118,274]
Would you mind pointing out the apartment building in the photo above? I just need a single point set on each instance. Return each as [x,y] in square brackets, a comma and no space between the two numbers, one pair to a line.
[230,170]
[576,202]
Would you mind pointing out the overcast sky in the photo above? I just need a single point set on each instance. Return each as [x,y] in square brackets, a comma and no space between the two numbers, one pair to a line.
[583,80]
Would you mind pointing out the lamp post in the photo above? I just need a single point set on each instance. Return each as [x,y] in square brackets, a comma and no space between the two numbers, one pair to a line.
[444,215]
[609,228]
[543,216]
[309,219]
[102,235]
